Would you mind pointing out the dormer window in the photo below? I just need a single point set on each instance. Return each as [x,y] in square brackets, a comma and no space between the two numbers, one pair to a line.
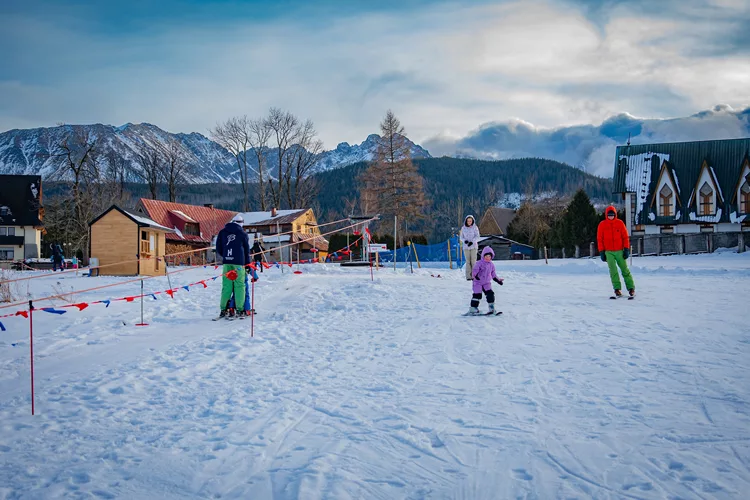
[706,206]
[665,201]
[191,229]
[745,198]
[4,211]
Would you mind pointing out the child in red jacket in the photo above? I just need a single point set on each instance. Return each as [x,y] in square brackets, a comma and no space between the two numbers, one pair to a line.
[614,249]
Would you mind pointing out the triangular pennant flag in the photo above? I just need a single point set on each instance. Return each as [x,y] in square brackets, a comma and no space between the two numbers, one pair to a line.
[266,265]
[253,266]
[169,292]
[203,282]
[53,310]
[187,288]
[2,327]
[81,306]
[216,267]
[25,314]
[214,278]
[153,295]
[129,299]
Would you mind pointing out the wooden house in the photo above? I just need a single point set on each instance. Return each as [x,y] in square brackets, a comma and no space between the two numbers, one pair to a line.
[21,215]
[288,235]
[194,227]
[120,236]
[496,220]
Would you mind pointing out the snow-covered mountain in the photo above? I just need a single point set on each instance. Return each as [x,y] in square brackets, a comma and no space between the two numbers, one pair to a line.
[30,151]
[346,154]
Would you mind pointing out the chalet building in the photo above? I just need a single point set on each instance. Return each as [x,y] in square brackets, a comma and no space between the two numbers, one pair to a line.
[687,188]
[289,235]
[496,220]
[127,244]
[193,227]
[21,216]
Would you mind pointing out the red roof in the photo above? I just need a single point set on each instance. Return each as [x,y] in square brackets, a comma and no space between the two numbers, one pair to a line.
[210,220]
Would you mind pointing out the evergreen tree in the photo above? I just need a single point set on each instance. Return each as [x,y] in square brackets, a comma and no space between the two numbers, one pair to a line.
[580,221]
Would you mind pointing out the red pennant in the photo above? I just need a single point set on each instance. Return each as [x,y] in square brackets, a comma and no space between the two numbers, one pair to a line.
[288,264]
[316,259]
[356,233]
[266,265]
[169,292]
[297,272]
[203,283]
[216,267]
[81,306]
[25,314]
[129,299]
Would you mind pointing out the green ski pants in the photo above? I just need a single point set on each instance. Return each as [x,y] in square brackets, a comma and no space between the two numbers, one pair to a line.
[615,259]
[238,286]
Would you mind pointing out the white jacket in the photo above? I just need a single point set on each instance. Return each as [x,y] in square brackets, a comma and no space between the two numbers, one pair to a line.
[469,233]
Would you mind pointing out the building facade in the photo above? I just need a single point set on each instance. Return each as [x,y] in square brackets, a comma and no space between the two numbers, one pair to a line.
[688,188]
[21,214]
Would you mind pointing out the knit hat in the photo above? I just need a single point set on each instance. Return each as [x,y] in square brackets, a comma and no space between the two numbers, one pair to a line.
[238,219]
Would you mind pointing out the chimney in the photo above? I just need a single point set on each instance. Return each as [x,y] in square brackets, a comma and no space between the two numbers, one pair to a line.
[208,205]
[273,212]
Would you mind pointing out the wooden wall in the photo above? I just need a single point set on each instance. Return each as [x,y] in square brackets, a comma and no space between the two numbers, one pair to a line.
[114,238]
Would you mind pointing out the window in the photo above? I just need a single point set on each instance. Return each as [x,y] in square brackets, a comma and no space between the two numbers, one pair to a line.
[665,201]
[6,254]
[3,231]
[11,231]
[145,243]
[706,200]
[191,229]
[745,198]
[4,211]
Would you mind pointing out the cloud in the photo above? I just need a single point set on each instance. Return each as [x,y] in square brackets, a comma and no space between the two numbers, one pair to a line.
[591,147]
[442,67]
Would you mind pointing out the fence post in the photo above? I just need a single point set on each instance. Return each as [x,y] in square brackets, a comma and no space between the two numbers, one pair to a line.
[578,252]
[681,244]
[592,249]
[740,242]
[563,252]
[142,323]
[450,258]
[546,261]
[658,245]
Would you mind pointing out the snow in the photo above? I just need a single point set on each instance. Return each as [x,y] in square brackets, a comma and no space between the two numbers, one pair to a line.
[149,222]
[360,389]
[254,217]
[638,184]
[734,218]
[651,216]
[706,218]
[184,215]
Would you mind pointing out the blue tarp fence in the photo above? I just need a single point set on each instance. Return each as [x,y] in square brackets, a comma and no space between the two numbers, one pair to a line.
[439,252]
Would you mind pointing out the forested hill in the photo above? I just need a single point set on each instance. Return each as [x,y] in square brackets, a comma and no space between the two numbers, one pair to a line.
[478,183]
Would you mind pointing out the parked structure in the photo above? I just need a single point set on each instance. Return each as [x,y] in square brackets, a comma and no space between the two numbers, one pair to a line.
[685,197]
[193,227]
[295,230]
[21,216]
[119,236]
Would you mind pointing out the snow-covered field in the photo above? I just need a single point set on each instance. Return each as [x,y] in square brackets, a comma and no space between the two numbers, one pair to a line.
[360,389]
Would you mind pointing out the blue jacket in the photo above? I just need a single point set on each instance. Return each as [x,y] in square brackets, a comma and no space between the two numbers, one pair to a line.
[233,245]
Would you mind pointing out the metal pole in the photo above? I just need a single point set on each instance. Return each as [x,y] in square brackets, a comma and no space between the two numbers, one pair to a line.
[142,322]
[31,350]
[252,308]
[395,225]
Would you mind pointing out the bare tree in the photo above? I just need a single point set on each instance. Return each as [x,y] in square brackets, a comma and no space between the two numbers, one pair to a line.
[283,127]
[150,167]
[392,182]
[174,167]
[236,137]
[260,133]
[297,181]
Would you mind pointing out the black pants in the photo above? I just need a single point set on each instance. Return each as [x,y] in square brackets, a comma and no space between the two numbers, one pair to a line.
[489,294]
[259,264]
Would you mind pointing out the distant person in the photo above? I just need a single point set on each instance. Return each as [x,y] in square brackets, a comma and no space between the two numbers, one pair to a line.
[74,262]
[483,275]
[57,257]
[469,237]
[234,248]
[614,249]
[258,253]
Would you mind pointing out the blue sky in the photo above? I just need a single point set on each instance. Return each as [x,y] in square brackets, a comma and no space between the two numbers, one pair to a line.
[448,69]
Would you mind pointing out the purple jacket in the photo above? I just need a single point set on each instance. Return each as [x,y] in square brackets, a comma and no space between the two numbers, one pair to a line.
[485,271]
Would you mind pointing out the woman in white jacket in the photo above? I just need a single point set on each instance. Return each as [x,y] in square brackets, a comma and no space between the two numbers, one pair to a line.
[469,239]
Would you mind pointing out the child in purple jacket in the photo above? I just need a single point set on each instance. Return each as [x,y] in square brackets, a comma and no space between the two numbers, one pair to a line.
[483,274]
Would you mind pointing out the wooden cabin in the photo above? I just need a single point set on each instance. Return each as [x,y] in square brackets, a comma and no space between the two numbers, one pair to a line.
[287,234]
[120,236]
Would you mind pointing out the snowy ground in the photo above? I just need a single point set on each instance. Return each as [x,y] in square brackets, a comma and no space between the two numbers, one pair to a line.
[360,389]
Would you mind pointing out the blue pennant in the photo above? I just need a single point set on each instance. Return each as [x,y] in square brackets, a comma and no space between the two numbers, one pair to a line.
[214,278]
[154,296]
[105,302]
[187,288]
[2,327]
[53,310]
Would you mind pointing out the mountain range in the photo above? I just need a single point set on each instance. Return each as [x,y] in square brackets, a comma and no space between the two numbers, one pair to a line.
[30,151]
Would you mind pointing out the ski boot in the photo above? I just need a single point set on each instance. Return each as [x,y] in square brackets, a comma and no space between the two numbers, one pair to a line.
[631,294]
[222,315]
[618,293]
[473,311]
[491,309]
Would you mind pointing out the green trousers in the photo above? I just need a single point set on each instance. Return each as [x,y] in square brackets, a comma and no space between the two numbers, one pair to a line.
[615,259]
[237,286]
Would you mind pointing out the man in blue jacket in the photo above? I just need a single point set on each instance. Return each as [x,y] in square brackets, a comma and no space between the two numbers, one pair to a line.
[233,246]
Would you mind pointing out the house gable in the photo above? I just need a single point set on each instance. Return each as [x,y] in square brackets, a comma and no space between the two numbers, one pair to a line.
[706,191]
[666,184]
[740,192]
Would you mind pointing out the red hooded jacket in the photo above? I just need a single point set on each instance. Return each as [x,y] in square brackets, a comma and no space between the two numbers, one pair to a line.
[612,235]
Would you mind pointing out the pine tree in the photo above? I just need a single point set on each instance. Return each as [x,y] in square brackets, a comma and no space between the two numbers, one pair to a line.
[580,222]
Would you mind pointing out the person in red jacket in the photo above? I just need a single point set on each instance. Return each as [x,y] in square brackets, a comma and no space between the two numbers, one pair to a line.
[614,249]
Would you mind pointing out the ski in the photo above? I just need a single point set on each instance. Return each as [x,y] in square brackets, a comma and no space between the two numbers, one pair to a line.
[497,313]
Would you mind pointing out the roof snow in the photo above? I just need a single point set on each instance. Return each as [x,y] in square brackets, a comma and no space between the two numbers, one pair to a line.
[253,217]
[706,218]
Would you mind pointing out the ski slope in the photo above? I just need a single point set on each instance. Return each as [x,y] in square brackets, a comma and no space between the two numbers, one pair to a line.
[379,389]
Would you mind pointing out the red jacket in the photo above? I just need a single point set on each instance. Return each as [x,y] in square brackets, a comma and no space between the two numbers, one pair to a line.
[612,235]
